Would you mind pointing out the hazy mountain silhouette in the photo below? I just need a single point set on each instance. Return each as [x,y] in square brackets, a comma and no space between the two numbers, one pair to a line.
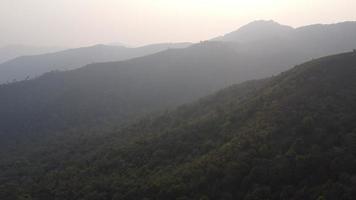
[291,136]
[260,41]
[123,90]
[12,51]
[316,40]
[30,66]
[265,40]
[258,30]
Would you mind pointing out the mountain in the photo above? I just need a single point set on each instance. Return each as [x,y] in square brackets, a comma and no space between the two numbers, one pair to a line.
[256,31]
[287,46]
[326,38]
[264,30]
[12,51]
[314,40]
[25,67]
[121,91]
[291,136]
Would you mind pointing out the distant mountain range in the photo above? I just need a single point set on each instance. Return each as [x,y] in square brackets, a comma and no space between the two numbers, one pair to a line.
[122,91]
[25,67]
[260,40]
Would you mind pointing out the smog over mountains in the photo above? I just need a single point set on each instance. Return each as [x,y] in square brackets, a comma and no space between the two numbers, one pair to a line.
[265,111]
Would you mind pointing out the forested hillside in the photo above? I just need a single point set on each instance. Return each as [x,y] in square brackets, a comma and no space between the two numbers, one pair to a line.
[292,136]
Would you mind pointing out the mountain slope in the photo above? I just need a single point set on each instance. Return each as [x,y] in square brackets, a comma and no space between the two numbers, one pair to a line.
[288,137]
[24,67]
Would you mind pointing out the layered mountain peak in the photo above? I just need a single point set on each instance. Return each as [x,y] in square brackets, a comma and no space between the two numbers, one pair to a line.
[258,30]
[260,24]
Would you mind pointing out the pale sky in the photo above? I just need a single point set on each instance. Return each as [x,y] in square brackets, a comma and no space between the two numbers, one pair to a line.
[74,23]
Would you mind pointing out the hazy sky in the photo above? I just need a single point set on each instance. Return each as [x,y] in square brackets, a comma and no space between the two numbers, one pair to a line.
[74,23]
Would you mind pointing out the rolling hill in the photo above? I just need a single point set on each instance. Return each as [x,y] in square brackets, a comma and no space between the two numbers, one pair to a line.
[291,136]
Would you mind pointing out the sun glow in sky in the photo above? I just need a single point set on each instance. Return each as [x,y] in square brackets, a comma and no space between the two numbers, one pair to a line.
[74,23]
